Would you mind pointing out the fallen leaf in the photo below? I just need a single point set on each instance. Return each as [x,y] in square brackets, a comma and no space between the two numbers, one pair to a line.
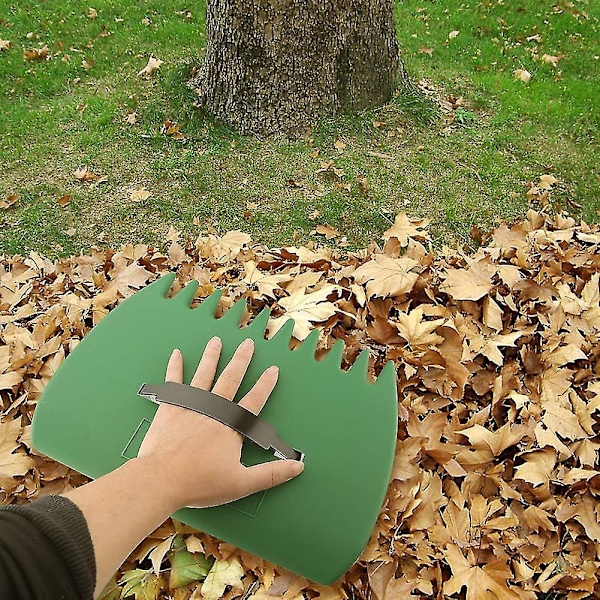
[222,574]
[550,60]
[380,155]
[426,50]
[9,201]
[140,195]
[453,34]
[522,75]
[92,13]
[131,118]
[63,201]
[171,129]
[547,182]
[385,276]
[85,174]
[36,53]
[5,45]
[328,231]
[340,146]
[304,309]
[151,68]
[405,228]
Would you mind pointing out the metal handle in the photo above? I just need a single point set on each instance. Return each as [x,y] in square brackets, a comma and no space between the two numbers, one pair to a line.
[225,411]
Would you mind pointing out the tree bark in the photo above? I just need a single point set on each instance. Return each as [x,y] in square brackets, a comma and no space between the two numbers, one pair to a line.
[277,65]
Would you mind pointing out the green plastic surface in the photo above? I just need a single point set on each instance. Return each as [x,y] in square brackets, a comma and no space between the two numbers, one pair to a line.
[91,419]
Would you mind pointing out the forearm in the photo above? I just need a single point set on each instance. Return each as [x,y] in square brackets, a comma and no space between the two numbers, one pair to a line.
[121,509]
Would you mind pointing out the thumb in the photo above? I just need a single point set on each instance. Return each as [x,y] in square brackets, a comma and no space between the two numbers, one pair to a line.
[270,474]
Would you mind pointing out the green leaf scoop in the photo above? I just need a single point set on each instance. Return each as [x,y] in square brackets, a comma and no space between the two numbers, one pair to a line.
[91,418]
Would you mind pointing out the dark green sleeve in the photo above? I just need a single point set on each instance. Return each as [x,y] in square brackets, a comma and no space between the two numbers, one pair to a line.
[46,551]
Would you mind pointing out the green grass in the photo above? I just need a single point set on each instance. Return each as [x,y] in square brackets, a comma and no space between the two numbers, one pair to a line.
[463,168]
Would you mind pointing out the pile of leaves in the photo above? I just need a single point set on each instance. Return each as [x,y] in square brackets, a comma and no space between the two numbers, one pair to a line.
[495,487]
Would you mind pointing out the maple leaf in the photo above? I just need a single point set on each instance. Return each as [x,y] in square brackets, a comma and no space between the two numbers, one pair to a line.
[186,567]
[228,246]
[385,276]
[151,68]
[417,331]
[497,441]
[468,284]
[132,276]
[405,228]
[305,309]
[547,182]
[222,574]
[492,577]
[537,467]
[157,555]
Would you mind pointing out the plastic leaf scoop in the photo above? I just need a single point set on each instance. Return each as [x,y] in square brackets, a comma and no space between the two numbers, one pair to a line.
[91,418]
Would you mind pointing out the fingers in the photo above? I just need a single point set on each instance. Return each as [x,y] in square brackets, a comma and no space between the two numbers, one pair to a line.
[175,367]
[256,398]
[270,474]
[230,379]
[207,367]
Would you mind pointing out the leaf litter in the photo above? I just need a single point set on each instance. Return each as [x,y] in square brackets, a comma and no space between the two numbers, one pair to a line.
[495,486]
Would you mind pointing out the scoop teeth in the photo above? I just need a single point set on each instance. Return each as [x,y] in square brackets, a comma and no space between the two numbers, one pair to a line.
[387,376]
[234,314]
[309,345]
[259,323]
[209,305]
[284,334]
[360,365]
[334,356]
[186,296]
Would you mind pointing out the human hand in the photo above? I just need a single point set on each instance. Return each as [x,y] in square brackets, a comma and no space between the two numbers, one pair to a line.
[198,457]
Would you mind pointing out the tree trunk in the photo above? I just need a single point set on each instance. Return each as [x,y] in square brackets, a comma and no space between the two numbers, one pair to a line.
[277,65]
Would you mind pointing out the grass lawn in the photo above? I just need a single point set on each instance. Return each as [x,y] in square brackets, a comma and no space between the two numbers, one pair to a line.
[85,105]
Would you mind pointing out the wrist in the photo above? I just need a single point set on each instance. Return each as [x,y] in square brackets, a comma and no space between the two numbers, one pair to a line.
[156,480]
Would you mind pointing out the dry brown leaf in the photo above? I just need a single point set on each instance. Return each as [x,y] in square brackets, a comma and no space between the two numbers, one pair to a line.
[63,201]
[405,228]
[36,54]
[9,201]
[522,75]
[140,195]
[152,67]
[305,310]
[328,231]
[85,174]
[385,276]
[468,284]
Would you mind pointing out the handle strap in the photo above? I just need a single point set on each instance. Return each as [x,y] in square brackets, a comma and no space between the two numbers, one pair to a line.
[225,411]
